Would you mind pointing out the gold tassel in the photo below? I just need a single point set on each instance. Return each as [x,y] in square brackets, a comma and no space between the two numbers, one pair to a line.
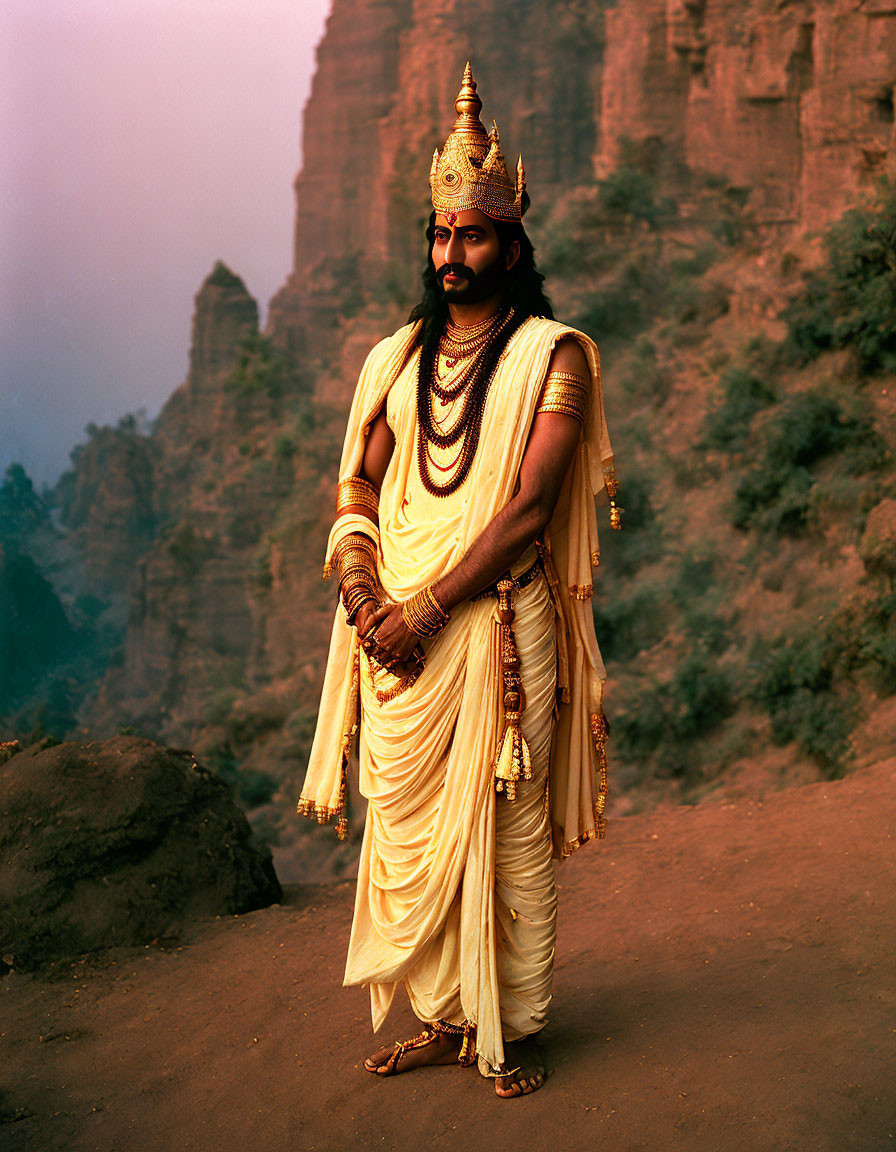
[612,485]
[514,760]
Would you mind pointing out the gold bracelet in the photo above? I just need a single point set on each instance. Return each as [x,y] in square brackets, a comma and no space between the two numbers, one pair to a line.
[352,559]
[424,614]
[355,550]
[354,540]
[355,491]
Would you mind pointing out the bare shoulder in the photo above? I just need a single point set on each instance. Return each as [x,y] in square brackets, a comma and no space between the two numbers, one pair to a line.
[569,356]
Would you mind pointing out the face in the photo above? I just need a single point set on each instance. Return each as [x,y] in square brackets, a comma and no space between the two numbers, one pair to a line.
[466,255]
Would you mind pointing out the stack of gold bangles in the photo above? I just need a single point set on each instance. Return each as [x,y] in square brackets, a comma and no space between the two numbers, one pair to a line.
[355,560]
[355,491]
[423,613]
[565,392]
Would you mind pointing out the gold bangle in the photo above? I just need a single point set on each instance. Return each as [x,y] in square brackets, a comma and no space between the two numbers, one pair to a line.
[355,540]
[563,407]
[424,614]
[355,551]
[355,491]
[572,377]
[354,558]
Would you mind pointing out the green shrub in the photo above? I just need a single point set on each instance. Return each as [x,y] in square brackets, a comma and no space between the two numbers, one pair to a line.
[627,193]
[795,680]
[644,380]
[250,787]
[774,493]
[189,548]
[851,300]
[728,422]
[877,642]
[627,303]
[263,370]
[662,720]
[626,625]
[697,592]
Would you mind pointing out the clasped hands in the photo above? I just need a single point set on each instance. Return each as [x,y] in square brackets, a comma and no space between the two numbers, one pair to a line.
[387,639]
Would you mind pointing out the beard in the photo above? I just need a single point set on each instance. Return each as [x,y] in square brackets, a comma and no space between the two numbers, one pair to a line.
[480,285]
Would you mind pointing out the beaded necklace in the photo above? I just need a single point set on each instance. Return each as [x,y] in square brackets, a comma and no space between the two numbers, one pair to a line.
[472,384]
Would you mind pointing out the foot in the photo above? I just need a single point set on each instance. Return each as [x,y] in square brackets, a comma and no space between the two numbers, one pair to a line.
[529,1075]
[441,1049]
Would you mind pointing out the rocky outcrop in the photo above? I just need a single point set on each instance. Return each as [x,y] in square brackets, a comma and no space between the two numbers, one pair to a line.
[226,596]
[108,506]
[117,844]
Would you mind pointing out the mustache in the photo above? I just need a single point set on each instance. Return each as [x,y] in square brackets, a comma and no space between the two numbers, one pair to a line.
[454,270]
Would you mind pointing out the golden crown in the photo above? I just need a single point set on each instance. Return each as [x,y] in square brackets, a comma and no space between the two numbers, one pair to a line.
[470,171]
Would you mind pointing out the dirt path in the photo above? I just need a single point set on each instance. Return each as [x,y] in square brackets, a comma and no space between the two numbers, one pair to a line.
[725,982]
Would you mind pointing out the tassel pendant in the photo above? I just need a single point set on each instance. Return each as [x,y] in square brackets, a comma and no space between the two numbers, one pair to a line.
[514,760]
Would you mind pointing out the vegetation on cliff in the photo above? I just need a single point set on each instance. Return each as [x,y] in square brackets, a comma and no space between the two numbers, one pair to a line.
[741,603]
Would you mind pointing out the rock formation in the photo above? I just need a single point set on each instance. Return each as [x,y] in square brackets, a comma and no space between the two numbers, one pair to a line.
[117,844]
[791,102]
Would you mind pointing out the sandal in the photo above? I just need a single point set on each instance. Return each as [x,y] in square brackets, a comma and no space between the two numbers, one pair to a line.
[430,1035]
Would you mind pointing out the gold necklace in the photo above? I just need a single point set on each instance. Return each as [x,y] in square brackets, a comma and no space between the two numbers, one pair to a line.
[458,342]
[458,331]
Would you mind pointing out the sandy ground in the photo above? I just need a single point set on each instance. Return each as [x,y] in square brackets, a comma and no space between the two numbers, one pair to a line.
[724,981]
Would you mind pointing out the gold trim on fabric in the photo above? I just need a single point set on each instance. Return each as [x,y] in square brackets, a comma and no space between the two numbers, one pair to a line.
[581,591]
[321,812]
[600,733]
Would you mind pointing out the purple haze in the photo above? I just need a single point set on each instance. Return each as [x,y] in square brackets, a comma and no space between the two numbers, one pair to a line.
[142,140]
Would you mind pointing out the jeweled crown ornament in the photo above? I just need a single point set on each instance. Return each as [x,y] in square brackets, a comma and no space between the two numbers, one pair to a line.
[470,171]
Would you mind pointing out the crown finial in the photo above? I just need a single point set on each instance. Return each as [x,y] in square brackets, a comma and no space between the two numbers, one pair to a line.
[468,106]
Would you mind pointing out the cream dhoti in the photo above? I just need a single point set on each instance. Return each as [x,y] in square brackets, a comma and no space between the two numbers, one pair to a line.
[436,833]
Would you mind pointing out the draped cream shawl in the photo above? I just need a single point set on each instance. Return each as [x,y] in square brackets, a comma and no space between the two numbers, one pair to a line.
[576,793]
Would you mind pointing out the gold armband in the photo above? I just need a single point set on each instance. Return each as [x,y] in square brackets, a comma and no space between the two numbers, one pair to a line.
[355,491]
[565,392]
[423,613]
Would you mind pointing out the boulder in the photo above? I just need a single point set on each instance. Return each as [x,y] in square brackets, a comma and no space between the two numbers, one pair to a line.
[117,843]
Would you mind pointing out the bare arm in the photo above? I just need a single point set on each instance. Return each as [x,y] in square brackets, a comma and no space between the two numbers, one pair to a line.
[377,454]
[378,450]
[548,455]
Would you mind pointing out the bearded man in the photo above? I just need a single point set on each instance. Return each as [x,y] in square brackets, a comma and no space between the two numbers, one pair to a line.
[464,653]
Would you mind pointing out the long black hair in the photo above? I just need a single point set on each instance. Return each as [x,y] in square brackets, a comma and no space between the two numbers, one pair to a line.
[522,288]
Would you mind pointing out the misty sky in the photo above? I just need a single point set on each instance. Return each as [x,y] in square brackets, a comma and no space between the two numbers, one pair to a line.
[140,140]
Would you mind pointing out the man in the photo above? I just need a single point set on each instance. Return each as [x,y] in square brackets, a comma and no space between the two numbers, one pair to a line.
[464,651]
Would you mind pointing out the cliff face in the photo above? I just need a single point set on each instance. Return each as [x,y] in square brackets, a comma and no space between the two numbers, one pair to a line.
[792,102]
